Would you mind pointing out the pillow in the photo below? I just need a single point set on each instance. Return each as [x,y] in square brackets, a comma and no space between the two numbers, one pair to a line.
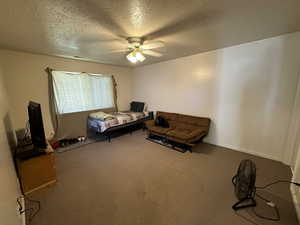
[161,122]
[137,106]
[156,121]
[101,116]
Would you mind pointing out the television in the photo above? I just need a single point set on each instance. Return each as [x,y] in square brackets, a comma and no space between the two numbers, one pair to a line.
[36,126]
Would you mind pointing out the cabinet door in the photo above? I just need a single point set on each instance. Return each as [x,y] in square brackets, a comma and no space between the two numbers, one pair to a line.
[37,172]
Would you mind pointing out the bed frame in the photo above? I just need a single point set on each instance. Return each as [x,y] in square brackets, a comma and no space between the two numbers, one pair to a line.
[127,127]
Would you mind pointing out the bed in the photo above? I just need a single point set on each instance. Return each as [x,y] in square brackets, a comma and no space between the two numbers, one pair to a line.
[108,123]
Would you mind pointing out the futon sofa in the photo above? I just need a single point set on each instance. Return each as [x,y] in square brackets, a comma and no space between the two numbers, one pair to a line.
[182,129]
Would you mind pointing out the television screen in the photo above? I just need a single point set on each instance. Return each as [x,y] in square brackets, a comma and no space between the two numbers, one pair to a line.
[36,126]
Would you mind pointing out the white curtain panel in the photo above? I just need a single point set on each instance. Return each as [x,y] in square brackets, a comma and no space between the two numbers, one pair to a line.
[77,92]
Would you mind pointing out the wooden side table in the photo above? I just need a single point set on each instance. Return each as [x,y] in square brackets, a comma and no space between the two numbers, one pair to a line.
[37,172]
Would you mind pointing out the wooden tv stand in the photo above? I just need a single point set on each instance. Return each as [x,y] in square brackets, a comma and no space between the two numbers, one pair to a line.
[37,172]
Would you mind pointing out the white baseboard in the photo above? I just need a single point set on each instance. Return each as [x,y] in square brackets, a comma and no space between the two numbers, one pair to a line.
[295,200]
[251,152]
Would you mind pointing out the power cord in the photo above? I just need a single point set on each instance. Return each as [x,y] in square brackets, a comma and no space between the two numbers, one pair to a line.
[26,139]
[278,181]
[31,210]
[27,130]
[246,218]
[270,203]
[267,201]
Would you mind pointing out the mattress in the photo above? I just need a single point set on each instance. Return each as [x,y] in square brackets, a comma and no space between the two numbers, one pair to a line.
[118,118]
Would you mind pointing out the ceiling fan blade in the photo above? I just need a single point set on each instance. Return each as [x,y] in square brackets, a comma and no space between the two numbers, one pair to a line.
[152,53]
[92,39]
[113,51]
[101,16]
[153,45]
[183,24]
[119,50]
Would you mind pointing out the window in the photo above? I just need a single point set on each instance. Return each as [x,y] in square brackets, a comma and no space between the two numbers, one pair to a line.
[76,92]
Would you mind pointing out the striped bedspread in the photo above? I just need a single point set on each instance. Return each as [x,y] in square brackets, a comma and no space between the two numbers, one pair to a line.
[118,118]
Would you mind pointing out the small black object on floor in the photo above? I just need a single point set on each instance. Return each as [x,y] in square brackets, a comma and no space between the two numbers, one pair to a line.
[169,144]
[244,185]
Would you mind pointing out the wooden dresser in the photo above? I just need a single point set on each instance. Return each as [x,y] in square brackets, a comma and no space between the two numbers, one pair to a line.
[37,172]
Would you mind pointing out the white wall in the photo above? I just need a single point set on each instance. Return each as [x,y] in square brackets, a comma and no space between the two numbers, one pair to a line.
[293,135]
[26,79]
[247,90]
[9,187]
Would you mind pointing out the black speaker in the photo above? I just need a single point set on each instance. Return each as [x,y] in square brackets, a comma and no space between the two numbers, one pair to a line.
[151,115]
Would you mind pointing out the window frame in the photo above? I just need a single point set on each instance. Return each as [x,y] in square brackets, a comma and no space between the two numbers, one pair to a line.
[59,111]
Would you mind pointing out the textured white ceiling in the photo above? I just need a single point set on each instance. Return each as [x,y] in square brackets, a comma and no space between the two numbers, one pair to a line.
[92,28]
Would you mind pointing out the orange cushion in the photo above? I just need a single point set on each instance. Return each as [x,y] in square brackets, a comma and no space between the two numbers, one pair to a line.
[185,133]
[160,130]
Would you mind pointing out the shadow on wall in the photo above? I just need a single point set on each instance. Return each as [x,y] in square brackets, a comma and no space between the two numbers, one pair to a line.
[212,130]
[265,106]
[72,125]
[10,134]
[254,98]
[256,103]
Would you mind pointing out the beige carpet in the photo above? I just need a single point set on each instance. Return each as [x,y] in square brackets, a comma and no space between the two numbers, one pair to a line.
[133,181]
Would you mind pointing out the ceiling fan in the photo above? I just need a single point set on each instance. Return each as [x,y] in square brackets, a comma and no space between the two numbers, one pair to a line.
[137,49]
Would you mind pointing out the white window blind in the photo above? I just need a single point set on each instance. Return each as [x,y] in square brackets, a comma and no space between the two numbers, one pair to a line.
[76,92]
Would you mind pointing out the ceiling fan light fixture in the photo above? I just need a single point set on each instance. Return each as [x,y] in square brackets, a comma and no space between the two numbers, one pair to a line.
[132,57]
[135,56]
[140,56]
